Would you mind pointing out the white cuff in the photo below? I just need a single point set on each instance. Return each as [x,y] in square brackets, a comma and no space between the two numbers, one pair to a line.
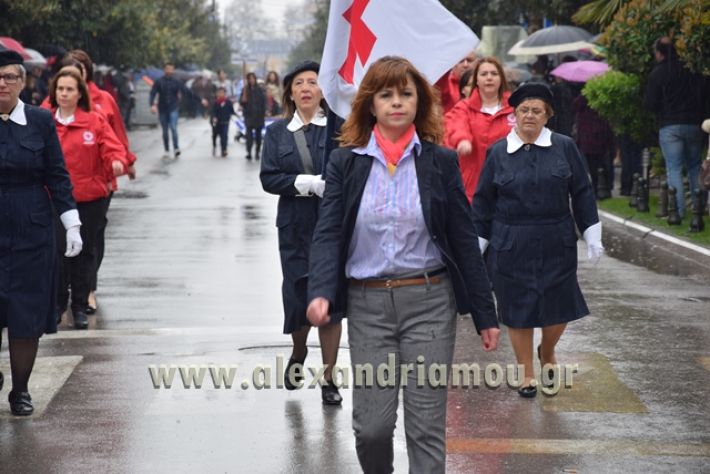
[304,184]
[70,218]
[482,244]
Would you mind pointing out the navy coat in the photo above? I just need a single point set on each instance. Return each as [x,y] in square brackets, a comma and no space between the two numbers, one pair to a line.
[522,206]
[33,180]
[296,216]
[446,213]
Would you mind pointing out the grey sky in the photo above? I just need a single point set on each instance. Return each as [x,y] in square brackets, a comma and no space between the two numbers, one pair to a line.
[274,9]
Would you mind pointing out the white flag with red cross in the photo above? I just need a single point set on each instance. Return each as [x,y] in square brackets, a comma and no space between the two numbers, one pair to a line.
[362,31]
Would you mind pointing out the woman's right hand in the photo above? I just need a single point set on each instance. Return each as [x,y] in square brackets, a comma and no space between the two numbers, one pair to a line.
[317,312]
[464,148]
[117,168]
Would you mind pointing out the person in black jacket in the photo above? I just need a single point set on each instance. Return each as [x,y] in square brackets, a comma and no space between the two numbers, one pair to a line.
[253,102]
[678,97]
[396,250]
[34,184]
[169,90]
[222,111]
[296,179]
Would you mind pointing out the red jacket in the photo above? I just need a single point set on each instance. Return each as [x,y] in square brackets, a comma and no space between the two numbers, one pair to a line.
[104,103]
[448,86]
[89,147]
[466,122]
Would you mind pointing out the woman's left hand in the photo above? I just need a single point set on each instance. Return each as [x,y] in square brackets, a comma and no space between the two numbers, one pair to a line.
[490,339]
[317,312]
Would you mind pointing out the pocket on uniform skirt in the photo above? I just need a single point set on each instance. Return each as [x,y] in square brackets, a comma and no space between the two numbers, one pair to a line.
[36,231]
[502,258]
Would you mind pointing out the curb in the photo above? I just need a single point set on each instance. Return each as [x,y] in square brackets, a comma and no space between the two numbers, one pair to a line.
[653,249]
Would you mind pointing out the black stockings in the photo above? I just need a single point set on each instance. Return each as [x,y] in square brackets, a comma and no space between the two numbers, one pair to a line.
[22,358]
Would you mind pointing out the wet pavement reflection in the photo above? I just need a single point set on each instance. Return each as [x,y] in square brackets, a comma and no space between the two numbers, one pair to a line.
[191,280]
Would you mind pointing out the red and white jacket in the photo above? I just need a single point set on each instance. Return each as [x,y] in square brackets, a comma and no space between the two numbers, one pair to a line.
[104,103]
[465,121]
[90,147]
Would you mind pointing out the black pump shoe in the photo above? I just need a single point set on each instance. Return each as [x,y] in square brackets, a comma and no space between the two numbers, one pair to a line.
[80,320]
[330,394]
[529,391]
[550,372]
[2,380]
[20,403]
[298,376]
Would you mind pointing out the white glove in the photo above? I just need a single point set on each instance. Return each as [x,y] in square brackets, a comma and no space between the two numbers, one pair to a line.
[309,184]
[303,184]
[482,244]
[593,237]
[318,186]
[74,243]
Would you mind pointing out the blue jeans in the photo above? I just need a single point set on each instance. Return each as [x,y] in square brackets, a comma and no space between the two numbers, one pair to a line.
[169,120]
[221,130]
[681,145]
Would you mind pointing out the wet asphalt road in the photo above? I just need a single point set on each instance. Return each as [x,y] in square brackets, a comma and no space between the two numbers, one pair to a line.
[191,277]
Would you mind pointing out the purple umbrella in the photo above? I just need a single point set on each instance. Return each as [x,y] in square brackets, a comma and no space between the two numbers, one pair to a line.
[580,71]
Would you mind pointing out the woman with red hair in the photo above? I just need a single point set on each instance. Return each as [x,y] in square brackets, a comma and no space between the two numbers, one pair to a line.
[396,250]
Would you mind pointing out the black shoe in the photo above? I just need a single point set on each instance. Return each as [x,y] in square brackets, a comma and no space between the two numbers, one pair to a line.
[248,157]
[20,403]
[80,320]
[550,372]
[330,394]
[2,380]
[90,310]
[298,374]
[529,391]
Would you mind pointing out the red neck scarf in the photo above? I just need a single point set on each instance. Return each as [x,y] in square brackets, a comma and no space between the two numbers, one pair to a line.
[220,100]
[393,151]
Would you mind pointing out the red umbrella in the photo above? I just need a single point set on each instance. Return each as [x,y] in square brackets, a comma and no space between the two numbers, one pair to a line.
[580,71]
[8,43]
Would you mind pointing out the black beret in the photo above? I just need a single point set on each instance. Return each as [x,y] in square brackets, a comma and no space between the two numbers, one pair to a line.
[9,56]
[531,90]
[298,69]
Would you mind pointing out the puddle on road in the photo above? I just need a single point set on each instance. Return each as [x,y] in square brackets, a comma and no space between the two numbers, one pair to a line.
[129,194]
[646,254]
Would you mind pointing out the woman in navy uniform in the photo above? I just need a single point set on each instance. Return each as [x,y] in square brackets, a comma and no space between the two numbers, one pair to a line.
[296,178]
[33,184]
[522,207]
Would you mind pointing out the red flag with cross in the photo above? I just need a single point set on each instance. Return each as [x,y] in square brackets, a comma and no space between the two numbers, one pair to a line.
[362,31]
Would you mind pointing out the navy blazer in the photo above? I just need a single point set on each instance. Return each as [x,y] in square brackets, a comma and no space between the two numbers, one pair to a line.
[448,219]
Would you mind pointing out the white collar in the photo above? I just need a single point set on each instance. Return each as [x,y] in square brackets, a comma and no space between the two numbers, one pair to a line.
[515,143]
[18,113]
[296,123]
[62,120]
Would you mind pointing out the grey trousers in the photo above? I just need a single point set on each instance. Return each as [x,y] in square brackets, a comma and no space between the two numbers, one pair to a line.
[409,322]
